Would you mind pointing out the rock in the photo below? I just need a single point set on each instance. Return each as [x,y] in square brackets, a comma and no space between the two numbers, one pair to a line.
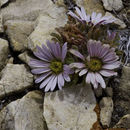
[27,10]
[25,57]
[24,114]
[24,9]
[124,86]
[124,122]
[109,92]
[4,50]
[111,5]
[18,32]
[59,2]
[122,94]
[70,109]
[91,6]
[46,24]
[2,2]
[117,21]
[11,60]
[106,105]
[1,24]
[14,78]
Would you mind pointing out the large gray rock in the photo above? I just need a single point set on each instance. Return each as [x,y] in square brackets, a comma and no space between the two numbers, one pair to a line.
[18,32]
[106,106]
[1,24]
[24,114]
[26,9]
[4,50]
[46,24]
[51,16]
[25,57]
[111,5]
[123,92]
[14,78]
[70,109]
[124,122]
[117,21]
[124,86]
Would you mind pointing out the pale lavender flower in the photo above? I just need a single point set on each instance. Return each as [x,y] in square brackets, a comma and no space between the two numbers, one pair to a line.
[94,19]
[50,66]
[82,16]
[101,61]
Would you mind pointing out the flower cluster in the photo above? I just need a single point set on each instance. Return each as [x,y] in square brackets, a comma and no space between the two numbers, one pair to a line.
[50,66]
[101,60]
[89,55]
[93,19]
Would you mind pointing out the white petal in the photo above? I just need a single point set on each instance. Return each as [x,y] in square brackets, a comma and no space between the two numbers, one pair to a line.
[74,15]
[50,84]
[77,70]
[79,13]
[82,72]
[100,80]
[77,65]
[60,81]
[54,83]
[42,77]
[111,66]
[88,78]
[44,83]
[107,73]
[77,53]
[66,77]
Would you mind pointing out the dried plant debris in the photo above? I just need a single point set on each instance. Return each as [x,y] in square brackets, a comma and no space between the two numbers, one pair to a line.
[125,45]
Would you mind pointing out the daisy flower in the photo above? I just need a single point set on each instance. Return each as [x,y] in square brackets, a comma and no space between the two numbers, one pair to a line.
[101,61]
[50,67]
[94,18]
[81,15]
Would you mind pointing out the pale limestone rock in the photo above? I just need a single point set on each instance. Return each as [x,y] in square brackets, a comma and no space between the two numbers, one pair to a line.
[91,6]
[117,21]
[1,24]
[24,114]
[59,3]
[51,16]
[2,2]
[2,91]
[25,9]
[15,78]
[4,50]
[70,108]
[46,24]
[18,32]
[111,5]
[124,122]
[124,86]
[11,60]
[25,57]
[106,105]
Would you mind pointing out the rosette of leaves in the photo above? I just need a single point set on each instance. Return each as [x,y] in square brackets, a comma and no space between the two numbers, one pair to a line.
[72,34]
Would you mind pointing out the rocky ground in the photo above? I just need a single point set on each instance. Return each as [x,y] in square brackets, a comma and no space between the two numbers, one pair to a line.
[27,23]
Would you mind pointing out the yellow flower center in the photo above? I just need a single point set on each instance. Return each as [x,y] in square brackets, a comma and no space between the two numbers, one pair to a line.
[56,66]
[94,64]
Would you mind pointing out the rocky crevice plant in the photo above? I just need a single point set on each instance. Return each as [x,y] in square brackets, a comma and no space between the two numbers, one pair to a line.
[91,52]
